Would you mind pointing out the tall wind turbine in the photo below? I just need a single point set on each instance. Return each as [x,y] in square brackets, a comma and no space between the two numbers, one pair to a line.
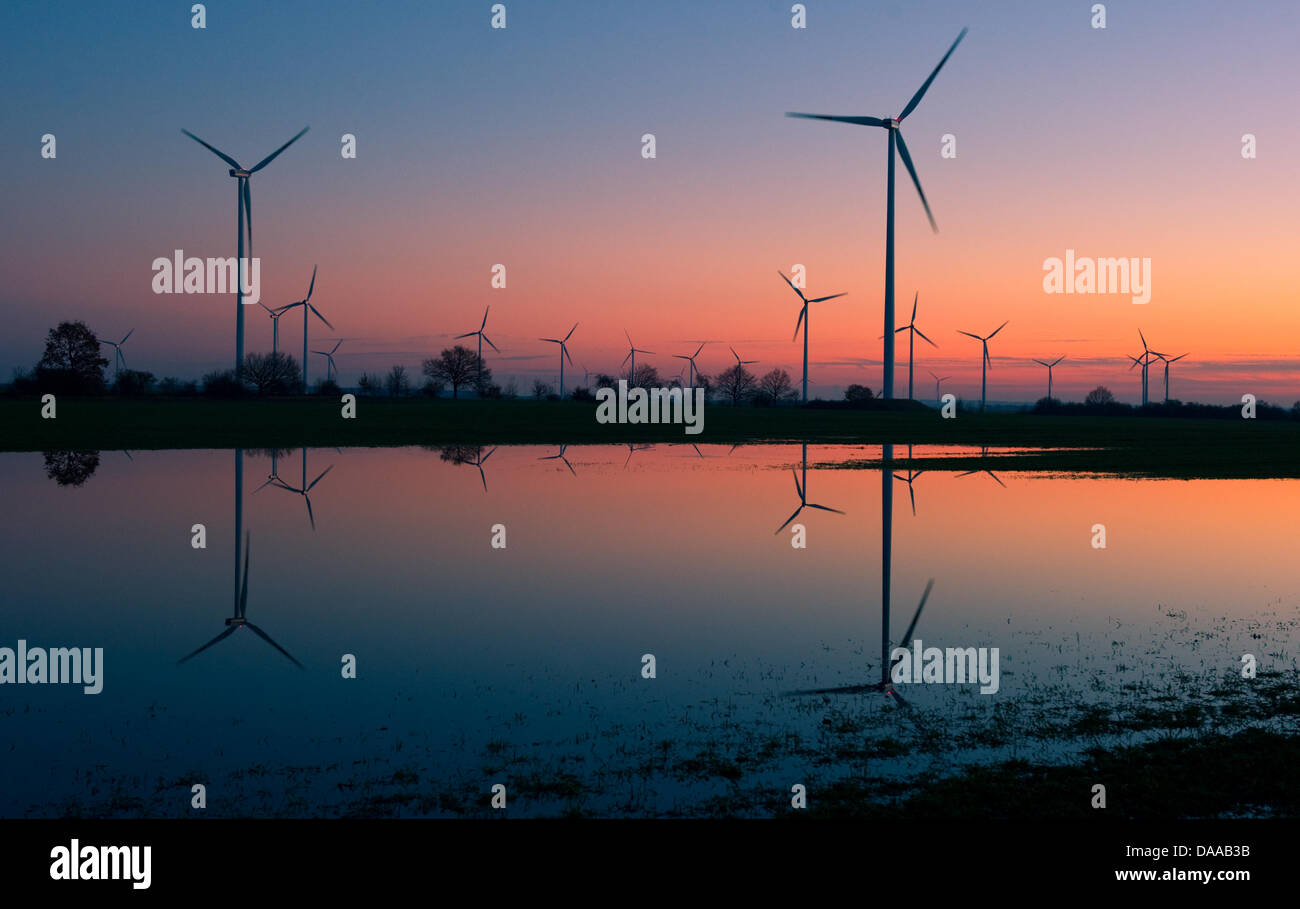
[912,332]
[1169,360]
[895,141]
[1049,372]
[633,350]
[564,352]
[938,382]
[740,362]
[331,370]
[803,320]
[801,489]
[119,358]
[240,618]
[695,370]
[245,198]
[985,362]
[1147,353]
[481,338]
[1141,361]
[307,306]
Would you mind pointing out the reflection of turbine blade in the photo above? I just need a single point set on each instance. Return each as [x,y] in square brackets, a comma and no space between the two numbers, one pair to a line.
[229,631]
[266,637]
[311,517]
[824,508]
[907,635]
[788,520]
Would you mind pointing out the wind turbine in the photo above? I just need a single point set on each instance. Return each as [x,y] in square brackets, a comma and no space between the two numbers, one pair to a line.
[801,489]
[895,141]
[633,350]
[561,457]
[245,198]
[803,320]
[307,306]
[330,368]
[1049,372]
[938,381]
[985,362]
[695,370]
[912,332]
[481,338]
[479,458]
[984,453]
[240,618]
[564,352]
[740,362]
[275,315]
[1147,353]
[911,477]
[119,358]
[1168,360]
[1141,361]
[305,489]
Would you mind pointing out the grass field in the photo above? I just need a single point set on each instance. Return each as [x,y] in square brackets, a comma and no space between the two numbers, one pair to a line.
[1148,446]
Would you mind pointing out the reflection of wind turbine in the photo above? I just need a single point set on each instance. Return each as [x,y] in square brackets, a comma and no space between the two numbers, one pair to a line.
[633,350]
[240,619]
[984,453]
[244,195]
[306,488]
[119,358]
[895,142]
[909,480]
[481,338]
[564,352]
[912,332]
[1049,373]
[306,305]
[984,363]
[273,477]
[691,359]
[561,457]
[938,381]
[478,461]
[330,368]
[801,489]
[803,321]
[634,448]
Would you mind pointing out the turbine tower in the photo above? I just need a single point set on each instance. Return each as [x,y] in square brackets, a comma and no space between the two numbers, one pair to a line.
[244,196]
[1169,360]
[803,320]
[895,142]
[1049,373]
[331,369]
[564,352]
[984,363]
[306,305]
[275,315]
[481,338]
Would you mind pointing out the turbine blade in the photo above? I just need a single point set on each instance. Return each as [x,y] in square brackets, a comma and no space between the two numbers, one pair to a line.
[907,162]
[564,350]
[831,297]
[859,121]
[922,334]
[628,357]
[318,479]
[318,315]
[907,635]
[571,331]
[920,92]
[266,637]
[311,286]
[488,342]
[825,508]
[792,287]
[1000,327]
[225,634]
[248,215]
[128,334]
[969,335]
[915,299]
[272,156]
[799,322]
[311,516]
[220,154]
[485,315]
[788,520]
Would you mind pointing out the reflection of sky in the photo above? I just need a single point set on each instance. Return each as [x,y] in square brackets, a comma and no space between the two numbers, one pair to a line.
[671,554]
[522,147]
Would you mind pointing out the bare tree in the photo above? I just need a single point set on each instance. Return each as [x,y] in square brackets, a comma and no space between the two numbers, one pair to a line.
[272,373]
[397,382]
[541,390]
[775,387]
[1099,397]
[457,366]
[736,384]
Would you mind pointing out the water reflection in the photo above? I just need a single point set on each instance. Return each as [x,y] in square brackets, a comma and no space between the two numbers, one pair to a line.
[70,468]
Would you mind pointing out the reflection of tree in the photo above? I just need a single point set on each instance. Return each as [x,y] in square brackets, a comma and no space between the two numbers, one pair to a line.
[70,468]
[459,454]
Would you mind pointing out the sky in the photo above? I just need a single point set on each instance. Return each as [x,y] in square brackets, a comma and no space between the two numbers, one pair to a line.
[522,146]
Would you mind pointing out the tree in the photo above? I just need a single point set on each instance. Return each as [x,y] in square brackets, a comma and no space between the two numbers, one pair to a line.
[432,389]
[370,383]
[541,390]
[397,382]
[223,384]
[457,366]
[856,394]
[273,373]
[131,382]
[1099,397]
[647,376]
[735,384]
[72,363]
[70,468]
[775,387]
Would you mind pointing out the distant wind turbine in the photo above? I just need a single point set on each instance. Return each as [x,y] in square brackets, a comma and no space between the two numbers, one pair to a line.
[633,350]
[690,358]
[803,321]
[307,306]
[984,453]
[938,382]
[481,338]
[984,363]
[1049,372]
[244,195]
[240,618]
[119,358]
[895,142]
[275,315]
[564,352]
[1169,360]
[912,332]
[331,369]
[740,362]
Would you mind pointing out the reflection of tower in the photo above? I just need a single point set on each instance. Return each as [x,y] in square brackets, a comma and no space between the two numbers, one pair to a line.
[239,515]
[886,554]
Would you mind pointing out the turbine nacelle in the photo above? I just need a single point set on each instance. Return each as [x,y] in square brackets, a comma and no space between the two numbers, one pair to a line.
[240,173]
[892,123]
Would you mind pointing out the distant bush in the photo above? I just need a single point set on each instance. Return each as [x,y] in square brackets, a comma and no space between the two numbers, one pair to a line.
[174,386]
[856,393]
[223,384]
[492,392]
[582,394]
[328,388]
[432,388]
[133,382]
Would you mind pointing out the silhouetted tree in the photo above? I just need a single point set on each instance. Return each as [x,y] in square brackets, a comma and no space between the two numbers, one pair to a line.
[328,388]
[370,383]
[1099,397]
[774,387]
[223,384]
[857,393]
[131,382]
[72,363]
[70,468]
[432,388]
[272,373]
[457,366]
[736,384]
[397,383]
[647,376]
[541,389]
